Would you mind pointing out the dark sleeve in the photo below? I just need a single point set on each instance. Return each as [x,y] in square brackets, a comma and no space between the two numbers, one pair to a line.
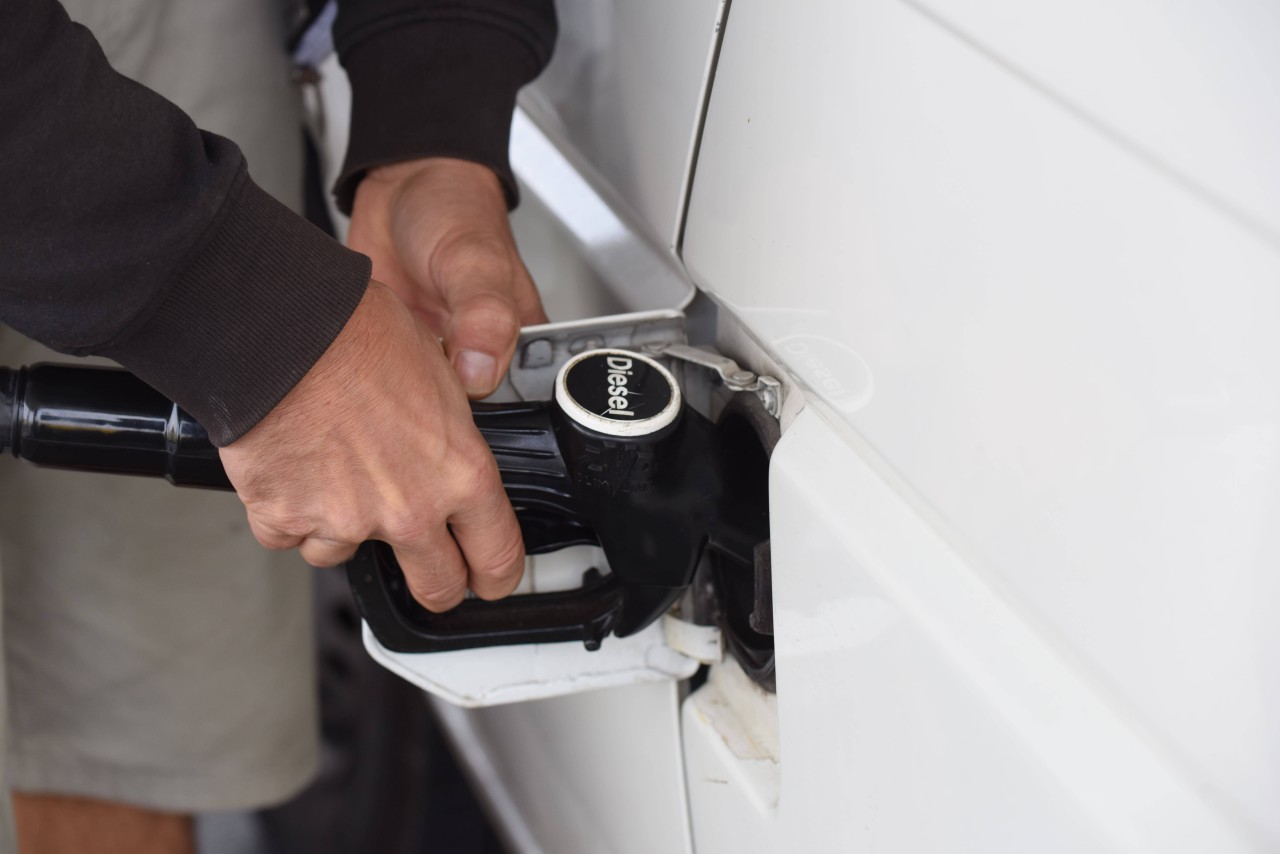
[437,77]
[128,233]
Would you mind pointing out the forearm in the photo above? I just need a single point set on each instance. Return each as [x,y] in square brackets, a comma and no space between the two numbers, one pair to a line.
[127,232]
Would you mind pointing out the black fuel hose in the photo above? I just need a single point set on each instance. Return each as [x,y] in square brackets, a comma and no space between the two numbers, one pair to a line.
[106,420]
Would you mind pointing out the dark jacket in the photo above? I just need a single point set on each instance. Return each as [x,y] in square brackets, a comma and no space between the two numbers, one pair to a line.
[126,232]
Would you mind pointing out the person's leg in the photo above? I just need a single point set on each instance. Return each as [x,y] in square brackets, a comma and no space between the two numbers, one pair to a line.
[157,658]
[55,824]
[160,663]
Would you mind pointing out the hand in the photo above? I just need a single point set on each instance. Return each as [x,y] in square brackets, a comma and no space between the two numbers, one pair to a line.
[377,442]
[438,234]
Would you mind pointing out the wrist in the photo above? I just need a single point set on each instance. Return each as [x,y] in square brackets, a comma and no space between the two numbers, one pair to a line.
[343,365]
[448,168]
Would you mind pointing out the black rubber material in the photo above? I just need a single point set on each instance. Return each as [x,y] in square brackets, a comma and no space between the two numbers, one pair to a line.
[743,583]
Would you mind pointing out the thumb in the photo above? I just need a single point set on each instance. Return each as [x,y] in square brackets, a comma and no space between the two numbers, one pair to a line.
[481,339]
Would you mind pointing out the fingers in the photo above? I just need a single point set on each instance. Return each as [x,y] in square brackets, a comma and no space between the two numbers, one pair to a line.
[481,548]
[433,568]
[438,232]
[462,534]
[317,550]
[488,533]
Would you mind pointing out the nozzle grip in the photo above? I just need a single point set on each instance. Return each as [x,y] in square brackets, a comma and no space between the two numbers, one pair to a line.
[400,624]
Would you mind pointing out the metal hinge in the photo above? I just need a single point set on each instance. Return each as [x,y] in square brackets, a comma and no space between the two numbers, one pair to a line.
[734,376]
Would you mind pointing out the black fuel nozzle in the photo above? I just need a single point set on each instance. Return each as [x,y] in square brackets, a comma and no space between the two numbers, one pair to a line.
[616,460]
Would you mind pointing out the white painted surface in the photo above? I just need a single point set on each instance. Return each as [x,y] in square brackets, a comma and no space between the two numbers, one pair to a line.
[493,676]
[1190,86]
[919,711]
[733,764]
[622,96]
[597,773]
[1063,354]
[486,780]
[586,234]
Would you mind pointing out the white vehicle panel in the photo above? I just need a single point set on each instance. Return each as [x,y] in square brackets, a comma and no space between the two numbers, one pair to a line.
[918,710]
[1062,352]
[623,95]
[599,772]
[733,765]
[586,259]
[1190,87]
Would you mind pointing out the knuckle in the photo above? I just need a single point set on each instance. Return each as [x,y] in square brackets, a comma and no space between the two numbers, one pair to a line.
[492,316]
[346,530]
[407,526]
[278,531]
[283,519]
[320,556]
[475,472]
[473,254]
[275,540]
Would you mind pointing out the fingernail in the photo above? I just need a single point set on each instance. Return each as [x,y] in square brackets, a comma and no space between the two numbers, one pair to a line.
[477,371]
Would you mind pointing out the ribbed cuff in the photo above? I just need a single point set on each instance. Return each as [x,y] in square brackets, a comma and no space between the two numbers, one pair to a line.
[253,312]
[435,89]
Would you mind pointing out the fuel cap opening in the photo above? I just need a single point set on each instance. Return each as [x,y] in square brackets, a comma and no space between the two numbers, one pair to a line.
[618,393]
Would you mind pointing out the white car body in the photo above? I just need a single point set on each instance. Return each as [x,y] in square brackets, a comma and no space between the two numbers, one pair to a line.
[1017,266]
